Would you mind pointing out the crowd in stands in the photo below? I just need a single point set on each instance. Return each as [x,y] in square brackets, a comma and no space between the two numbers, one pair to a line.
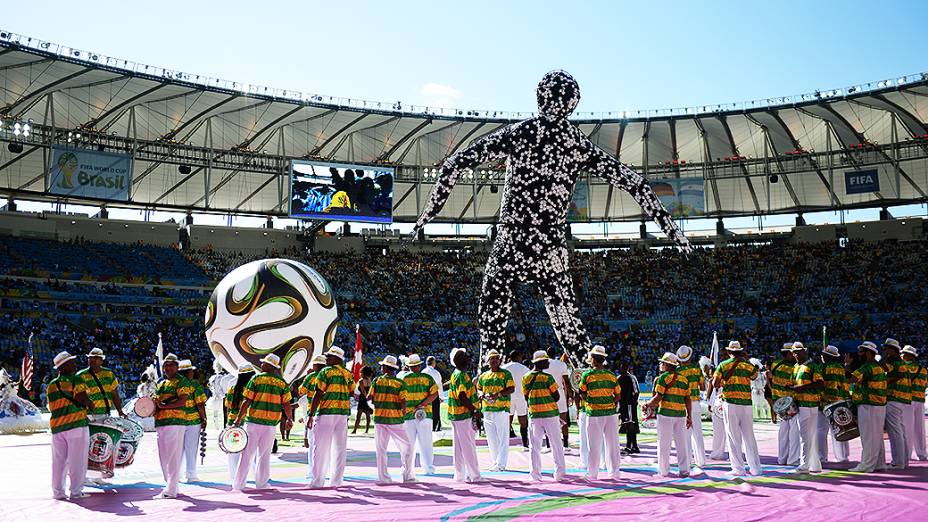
[638,303]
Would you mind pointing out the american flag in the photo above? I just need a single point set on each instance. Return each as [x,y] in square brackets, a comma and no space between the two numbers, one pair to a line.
[26,370]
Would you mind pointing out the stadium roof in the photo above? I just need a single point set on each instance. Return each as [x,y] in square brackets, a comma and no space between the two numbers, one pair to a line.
[237,140]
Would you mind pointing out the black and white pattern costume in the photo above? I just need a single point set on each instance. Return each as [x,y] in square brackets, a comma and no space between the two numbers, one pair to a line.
[544,157]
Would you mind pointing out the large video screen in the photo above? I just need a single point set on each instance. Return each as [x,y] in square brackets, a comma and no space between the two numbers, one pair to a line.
[341,192]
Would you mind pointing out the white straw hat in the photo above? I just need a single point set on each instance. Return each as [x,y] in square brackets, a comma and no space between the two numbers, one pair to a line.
[684,353]
[389,361]
[62,358]
[272,359]
[540,355]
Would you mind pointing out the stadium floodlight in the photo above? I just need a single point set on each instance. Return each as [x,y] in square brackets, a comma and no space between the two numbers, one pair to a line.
[17,129]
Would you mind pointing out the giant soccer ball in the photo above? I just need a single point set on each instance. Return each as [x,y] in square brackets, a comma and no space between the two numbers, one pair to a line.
[274,306]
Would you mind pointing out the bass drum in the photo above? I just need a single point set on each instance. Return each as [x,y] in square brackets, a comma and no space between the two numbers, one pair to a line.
[101,455]
[842,416]
[132,434]
[785,408]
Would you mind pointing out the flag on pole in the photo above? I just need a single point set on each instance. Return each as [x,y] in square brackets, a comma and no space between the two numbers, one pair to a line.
[715,349]
[824,336]
[358,354]
[25,374]
[159,354]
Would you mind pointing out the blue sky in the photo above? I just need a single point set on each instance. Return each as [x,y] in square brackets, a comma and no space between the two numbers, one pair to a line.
[489,54]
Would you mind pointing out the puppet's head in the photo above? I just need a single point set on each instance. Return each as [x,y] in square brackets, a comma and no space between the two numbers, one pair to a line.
[558,94]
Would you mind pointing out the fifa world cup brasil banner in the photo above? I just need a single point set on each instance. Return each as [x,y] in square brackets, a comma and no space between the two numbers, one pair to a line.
[90,174]
[682,197]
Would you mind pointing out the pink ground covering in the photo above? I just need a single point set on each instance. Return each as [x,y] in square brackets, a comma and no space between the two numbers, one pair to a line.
[833,495]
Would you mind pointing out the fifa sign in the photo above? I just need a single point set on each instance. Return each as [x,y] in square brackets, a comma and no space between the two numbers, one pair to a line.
[861,181]
[90,174]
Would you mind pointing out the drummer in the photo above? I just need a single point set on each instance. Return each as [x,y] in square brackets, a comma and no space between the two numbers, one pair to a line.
[733,377]
[170,416]
[869,380]
[807,390]
[919,381]
[232,405]
[68,403]
[195,421]
[780,378]
[308,389]
[899,398]
[836,389]
[102,387]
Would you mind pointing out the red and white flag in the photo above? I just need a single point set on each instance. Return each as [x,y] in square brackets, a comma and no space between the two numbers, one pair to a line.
[25,374]
[358,354]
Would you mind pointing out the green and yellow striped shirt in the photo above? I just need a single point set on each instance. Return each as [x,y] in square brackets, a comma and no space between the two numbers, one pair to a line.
[901,390]
[674,389]
[836,386]
[65,414]
[495,382]
[169,390]
[807,373]
[97,395]
[336,385]
[870,388]
[737,388]
[919,382]
[461,382]
[195,399]
[539,389]
[268,393]
[782,378]
[602,391]
[308,386]
[418,385]
[389,397]
[693,375]
[231,409]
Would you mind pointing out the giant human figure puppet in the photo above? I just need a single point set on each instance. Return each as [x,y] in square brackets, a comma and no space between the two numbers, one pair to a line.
[544,157]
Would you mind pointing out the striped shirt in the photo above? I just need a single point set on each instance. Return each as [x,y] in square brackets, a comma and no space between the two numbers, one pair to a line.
[169,390]
[336,385]
[674,389]
[737,388]
[495,382]
[919,382]
[781,379]
[901,390]
[268,393]
[693,375]
[539,389]
[460,383]
[195,399]
[803,374]
[870,388]
[389,397]
[231,409]
[65,414]
[602,391]
[419,385]
[97,395]
[308,386]
[836,386]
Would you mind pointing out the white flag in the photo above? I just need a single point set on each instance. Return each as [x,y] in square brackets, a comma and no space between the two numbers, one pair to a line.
[715,349]
[159,353]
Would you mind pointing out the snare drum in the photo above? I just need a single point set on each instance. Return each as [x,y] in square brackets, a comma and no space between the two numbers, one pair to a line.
[144,407]
[101,453]
[132,433]
[233,439]
[843,419]
[785,408]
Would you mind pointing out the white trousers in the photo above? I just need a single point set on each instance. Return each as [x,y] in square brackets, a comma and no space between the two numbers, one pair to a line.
[694,437]
[918,430]
[383,434]
[603,431]
[260,443]
[583,425]
[841,449]
[310,441]
[672,431]
[739,430]
[330,445]
[538,428]
[895,427]
[170,453]
[870,421]
[464,440]
[69,459]
[496,424]
[718,437]
[788,443]
[420,436]
[808,440]
[191,445]
[234,459]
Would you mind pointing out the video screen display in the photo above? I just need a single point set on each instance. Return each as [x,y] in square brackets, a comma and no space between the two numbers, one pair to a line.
[340,192]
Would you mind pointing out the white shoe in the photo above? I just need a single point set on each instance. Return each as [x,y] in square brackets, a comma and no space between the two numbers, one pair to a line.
[536,477]
[59,497]
[80,495]
[858,469]
[191,480]
[384,482]
[412,480]
[493,469]
[165,494]
[545,450]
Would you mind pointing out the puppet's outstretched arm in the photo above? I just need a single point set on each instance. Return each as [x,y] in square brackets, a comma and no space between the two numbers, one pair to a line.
[489,148]
[623,177]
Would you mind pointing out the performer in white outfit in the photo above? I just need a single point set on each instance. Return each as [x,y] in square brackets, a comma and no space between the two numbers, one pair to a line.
[808,383]
[68,403]
[733,377]
[495,386]
[919,376]
[898,401]
[836,389]
[232,405]
[713,398]
[421,393]
[519,408]
[870,395]
[432,371]
[388,396]
[671,401]
[541,392]
[561,373]
[307,391]
[697,383]
[600,394]
[170,398]
[328,417]
[465,418]
[196,420]
[780,377]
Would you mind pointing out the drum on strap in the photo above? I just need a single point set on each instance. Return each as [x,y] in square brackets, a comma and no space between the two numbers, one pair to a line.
[785,408]
[101,454]
[132,434]
[718,408]
[144,407]
[233,439]
[843,419]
